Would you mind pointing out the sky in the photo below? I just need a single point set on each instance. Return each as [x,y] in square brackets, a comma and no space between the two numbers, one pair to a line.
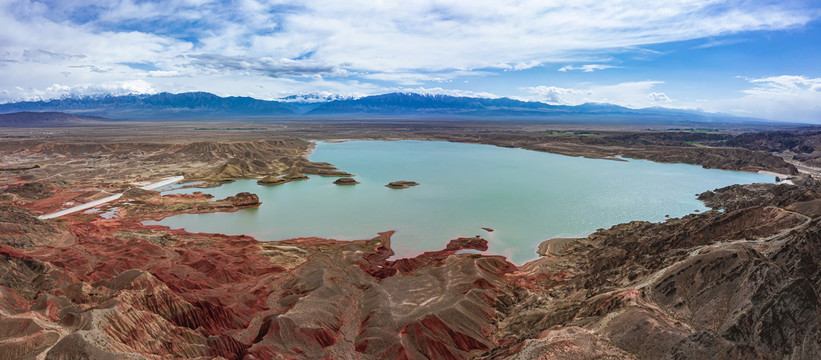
[756,58]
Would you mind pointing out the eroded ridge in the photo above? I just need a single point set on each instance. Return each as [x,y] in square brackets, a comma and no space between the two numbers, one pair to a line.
[738,283]
[741,283]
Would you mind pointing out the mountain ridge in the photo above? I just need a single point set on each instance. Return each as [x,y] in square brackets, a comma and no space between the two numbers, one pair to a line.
[206,105]
[162,105]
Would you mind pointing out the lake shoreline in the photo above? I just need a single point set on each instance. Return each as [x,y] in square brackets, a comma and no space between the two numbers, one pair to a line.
[223,294]
[438,237]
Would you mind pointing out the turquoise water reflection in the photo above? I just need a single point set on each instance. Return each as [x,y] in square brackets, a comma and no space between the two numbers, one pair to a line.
[525,196]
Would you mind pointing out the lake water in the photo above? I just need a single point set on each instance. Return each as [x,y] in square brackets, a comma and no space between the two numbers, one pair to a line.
[525,196]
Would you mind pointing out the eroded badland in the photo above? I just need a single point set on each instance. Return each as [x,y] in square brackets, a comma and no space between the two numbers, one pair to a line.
[739,283]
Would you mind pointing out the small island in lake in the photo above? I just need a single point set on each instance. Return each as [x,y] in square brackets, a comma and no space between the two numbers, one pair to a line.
[346,181]
[276,180]
[401,184]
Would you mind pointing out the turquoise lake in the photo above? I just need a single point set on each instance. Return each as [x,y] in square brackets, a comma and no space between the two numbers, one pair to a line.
[525,196]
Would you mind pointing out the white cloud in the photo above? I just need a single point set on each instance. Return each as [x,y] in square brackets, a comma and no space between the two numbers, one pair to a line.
[636,94]
[722,42]
[792,98]
[405,78]
[433,35]
[406,42]
[59,90]
[784,84]
[451,92]
[420,78]
[659,97]
[524,65]
[586,68]
[163,73]
[555,95]
[786,97]
[273,48]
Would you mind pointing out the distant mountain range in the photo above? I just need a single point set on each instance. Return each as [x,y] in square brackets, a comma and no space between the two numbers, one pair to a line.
[202,105]
[412,104]
[159,106]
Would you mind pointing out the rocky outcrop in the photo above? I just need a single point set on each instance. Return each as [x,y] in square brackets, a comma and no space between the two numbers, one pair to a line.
[401,184]
[156,206]
[20,228]
[669,147]
[212,295]
[271,180]
[736,197]
[235,168]
[555,246]
[346,181]
[733,285]
[742,283]
[715,158]
[35,190]
[243,199]
[137,193]
[295,177]
[277,180]
[318,168]
[118,163]
[804,145]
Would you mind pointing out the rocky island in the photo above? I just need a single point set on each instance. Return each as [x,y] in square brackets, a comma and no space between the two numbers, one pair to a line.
[271,180]
[277,180]
[401,184]
[346,181]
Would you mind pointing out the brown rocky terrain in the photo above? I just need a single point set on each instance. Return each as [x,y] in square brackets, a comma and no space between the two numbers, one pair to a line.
[346,181]
[117,165]
[401,184]
[670,149]
[804,145]
[115,156]
[278,180]
[738,282]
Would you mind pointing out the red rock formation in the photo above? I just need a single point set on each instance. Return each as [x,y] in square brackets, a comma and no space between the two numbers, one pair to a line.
[734,284]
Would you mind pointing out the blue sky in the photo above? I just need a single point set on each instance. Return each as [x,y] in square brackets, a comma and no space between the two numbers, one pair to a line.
[744,57]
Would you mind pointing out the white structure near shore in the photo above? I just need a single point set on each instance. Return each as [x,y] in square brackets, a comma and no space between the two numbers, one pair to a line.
[89,205]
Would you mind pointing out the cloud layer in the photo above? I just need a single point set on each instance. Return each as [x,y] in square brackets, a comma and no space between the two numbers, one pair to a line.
[586,68]
[636,94]
[272,48]
[785,97]
[792,98]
